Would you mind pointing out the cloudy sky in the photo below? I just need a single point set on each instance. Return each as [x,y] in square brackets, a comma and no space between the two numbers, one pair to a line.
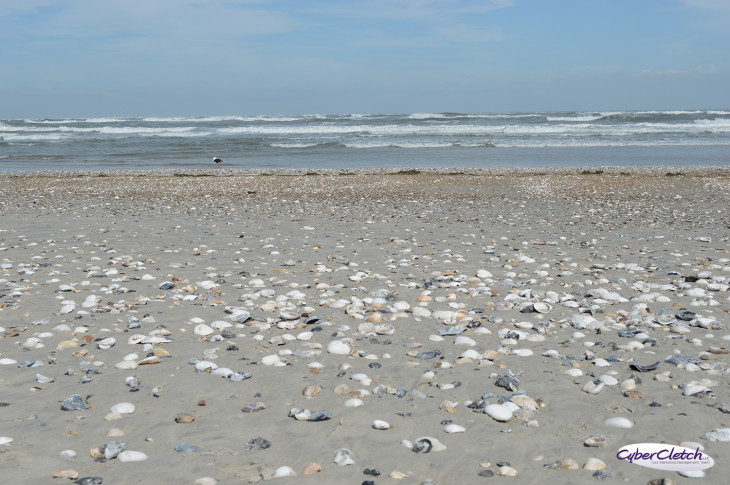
[63,58]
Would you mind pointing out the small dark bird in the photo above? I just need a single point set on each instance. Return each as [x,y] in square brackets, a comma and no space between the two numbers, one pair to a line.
[217,160]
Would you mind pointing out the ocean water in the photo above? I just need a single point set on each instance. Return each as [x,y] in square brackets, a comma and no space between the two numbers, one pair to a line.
[427,140]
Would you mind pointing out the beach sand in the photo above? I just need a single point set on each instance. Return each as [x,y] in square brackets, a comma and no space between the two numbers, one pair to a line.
[540,272]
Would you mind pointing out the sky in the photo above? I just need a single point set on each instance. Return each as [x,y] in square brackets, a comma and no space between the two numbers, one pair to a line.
[63,58]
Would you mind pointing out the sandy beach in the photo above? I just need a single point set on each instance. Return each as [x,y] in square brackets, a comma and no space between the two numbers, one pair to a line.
[345,326]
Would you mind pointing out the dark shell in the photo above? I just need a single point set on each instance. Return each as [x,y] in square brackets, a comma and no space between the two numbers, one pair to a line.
[510,383]
[645,368]
[428,355]
[422,446]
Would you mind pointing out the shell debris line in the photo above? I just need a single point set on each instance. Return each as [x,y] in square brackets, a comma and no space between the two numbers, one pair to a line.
[429,326]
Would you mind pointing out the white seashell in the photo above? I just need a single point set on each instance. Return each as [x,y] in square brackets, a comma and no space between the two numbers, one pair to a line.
[499,412]
[270,359]
[67,454]
[608,380]
[205,366]
[380,424]
[454,428]
[67,309]
[619,423]
[222,372]
[126,365]
[471,354]
[465,341]
[203,330]
[338,347]
[106,343]
[4,440]
[135,339]
[123,408]
[523,352]
[220,324]
[43,379]
[542,307]
[31,342]
[693,389]
[129,456]
[304,336]
[155,340]
[284,471]
[354,403]
[362,379]
[574,372]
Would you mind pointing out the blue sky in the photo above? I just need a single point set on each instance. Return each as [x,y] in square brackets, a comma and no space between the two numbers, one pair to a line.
[217,57]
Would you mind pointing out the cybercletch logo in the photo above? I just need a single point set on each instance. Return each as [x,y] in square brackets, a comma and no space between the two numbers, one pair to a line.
[665,457]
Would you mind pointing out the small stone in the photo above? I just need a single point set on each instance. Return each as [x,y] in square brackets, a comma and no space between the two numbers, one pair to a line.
[73,403]
[569,464]
[123,408]
[596,441]
[184,418]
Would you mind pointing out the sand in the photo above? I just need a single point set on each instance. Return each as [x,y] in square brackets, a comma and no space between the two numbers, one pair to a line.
[344,235]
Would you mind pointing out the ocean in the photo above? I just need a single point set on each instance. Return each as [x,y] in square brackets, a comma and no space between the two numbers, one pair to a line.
[420,140]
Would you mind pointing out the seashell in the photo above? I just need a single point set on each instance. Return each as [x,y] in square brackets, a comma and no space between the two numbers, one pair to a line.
[338,347]
[112,449]
[311,469]
[427,444]
[205,366]
[619,423]
[499,412]
[183,418]
[593,387]
[454,428]
[126,365]
[398,475]
[186,448]
[289,315]
[594,464]
[311,390]
[123,408]
[448,406]
[136,339]
[596,441]
[542,307]
[509,382]
[354,403]
[70,474]
[4,440]
[343,457]
[253,407]
[270,360]
[284,471]
[43,379]
[506,471]
[645,368]
[574,372]
[380,424]
[150,360]
[129,456]
[465,341]
[203,330]
[722,434]
[106,343]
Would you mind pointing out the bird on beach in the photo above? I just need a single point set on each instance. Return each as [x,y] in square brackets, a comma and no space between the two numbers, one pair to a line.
[217,160]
